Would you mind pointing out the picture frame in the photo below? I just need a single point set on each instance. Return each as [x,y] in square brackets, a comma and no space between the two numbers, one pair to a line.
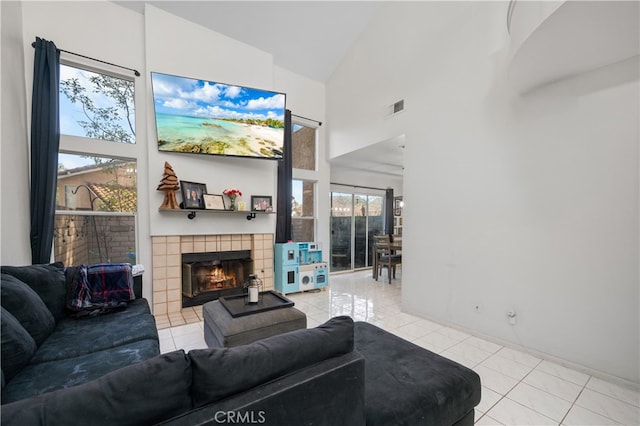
[398,203]
[397,212]
[192,194]
[261,203]
[213,202]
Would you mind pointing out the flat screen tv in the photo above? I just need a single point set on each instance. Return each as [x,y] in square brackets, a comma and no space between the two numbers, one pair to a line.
[205,117]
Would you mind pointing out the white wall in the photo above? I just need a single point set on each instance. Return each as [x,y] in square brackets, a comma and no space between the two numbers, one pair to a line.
[512,203]
[156,41]
[14,156]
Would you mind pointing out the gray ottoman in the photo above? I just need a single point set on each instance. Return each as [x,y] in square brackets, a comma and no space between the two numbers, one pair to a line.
[223,330]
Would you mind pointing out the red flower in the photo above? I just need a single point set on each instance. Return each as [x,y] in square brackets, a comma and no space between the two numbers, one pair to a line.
[232,192]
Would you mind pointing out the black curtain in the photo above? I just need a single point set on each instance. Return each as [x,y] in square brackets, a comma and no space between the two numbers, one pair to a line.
[388,211]
[283,216]
[45,140]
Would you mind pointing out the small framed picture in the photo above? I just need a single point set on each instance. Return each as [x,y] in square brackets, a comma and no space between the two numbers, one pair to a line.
[213,201]
[261,203]
[398,202]
[397,212]
[192,194]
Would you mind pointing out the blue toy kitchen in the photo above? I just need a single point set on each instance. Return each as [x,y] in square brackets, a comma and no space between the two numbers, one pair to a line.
[299,267]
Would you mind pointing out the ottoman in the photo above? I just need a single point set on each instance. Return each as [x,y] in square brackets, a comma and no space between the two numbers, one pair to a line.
[223,330]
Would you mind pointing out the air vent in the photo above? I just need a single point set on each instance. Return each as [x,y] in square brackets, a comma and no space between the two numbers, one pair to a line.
[398,106]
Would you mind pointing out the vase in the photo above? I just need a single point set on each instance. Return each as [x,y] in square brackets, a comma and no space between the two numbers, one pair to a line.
[232,205]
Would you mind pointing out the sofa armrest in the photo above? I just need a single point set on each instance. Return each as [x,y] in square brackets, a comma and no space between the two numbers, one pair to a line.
[329,393]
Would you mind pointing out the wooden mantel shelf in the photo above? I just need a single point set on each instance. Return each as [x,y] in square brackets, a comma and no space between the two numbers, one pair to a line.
[191,213]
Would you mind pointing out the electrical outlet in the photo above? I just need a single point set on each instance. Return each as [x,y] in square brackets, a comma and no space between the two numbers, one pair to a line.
[512,317]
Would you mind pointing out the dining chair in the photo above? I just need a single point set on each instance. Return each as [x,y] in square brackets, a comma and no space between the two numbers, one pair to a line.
[385,257]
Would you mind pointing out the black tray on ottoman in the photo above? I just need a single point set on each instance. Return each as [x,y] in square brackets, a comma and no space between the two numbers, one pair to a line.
[237,306]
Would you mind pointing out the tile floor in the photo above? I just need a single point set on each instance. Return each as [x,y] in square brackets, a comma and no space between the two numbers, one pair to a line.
[517,388]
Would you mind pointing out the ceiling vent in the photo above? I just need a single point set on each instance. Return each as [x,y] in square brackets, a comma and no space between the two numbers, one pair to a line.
[398,107]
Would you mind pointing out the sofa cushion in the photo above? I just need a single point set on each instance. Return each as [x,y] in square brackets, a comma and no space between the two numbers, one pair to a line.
[221,372]
[17,345]
[37,379]
[408,385]
[140,394]
[103,332]
[46,280]
[27,307]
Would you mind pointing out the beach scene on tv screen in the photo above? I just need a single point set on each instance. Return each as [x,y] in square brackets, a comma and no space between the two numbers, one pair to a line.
[205,117]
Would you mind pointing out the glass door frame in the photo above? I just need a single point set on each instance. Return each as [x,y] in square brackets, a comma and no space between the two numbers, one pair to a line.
[354,192]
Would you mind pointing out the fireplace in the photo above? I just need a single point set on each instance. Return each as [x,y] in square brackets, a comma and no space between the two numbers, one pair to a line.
[210,275]
[167,265]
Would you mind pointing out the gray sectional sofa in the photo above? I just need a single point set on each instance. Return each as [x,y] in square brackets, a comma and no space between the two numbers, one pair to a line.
[339,373]
[43,349]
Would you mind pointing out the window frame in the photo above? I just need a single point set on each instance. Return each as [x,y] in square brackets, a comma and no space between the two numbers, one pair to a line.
[104,71]
[79,145]
[313,217]
[309,175]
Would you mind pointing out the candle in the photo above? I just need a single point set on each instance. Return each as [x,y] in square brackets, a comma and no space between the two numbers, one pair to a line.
[253,294]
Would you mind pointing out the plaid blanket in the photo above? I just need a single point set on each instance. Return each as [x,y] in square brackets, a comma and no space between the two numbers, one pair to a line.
[99,287]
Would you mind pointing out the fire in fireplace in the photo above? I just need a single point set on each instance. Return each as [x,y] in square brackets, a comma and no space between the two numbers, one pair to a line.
[208,276]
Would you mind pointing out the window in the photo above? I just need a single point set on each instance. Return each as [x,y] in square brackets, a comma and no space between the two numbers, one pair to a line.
[96,106]
[96,195]
[302,211]
[96,184]
[303,145]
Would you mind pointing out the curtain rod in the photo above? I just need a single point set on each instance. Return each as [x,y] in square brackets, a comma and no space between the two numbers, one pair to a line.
[136,72]
[310,119]
[357,186]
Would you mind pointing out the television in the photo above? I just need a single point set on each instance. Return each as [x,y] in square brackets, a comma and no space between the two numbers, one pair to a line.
[206,117]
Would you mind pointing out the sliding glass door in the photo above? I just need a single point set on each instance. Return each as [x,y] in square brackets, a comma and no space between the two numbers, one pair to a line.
[355,218]
[341,226]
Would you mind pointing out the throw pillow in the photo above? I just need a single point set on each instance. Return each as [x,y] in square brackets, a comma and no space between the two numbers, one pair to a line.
[140,394]
[220,372]
[27,307]
[46,280]
[17,345]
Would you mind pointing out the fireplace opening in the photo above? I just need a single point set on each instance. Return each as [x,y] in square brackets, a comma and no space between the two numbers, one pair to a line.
[208,276]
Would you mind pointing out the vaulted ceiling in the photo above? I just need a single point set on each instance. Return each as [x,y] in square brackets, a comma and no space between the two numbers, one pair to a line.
[309,38]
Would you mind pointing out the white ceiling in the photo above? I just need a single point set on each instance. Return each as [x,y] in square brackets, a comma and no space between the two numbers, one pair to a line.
[386,158]
[309,38]
[602,33]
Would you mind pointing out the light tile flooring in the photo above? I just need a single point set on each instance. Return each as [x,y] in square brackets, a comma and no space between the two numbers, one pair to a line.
[517,388]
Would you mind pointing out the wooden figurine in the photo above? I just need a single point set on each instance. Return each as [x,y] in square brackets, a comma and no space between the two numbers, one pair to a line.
[169,184]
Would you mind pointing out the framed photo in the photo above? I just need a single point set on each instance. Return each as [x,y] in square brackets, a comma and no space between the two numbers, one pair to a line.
[192,194]
[261,203]
[397,212]
[213,202]
[398,203]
